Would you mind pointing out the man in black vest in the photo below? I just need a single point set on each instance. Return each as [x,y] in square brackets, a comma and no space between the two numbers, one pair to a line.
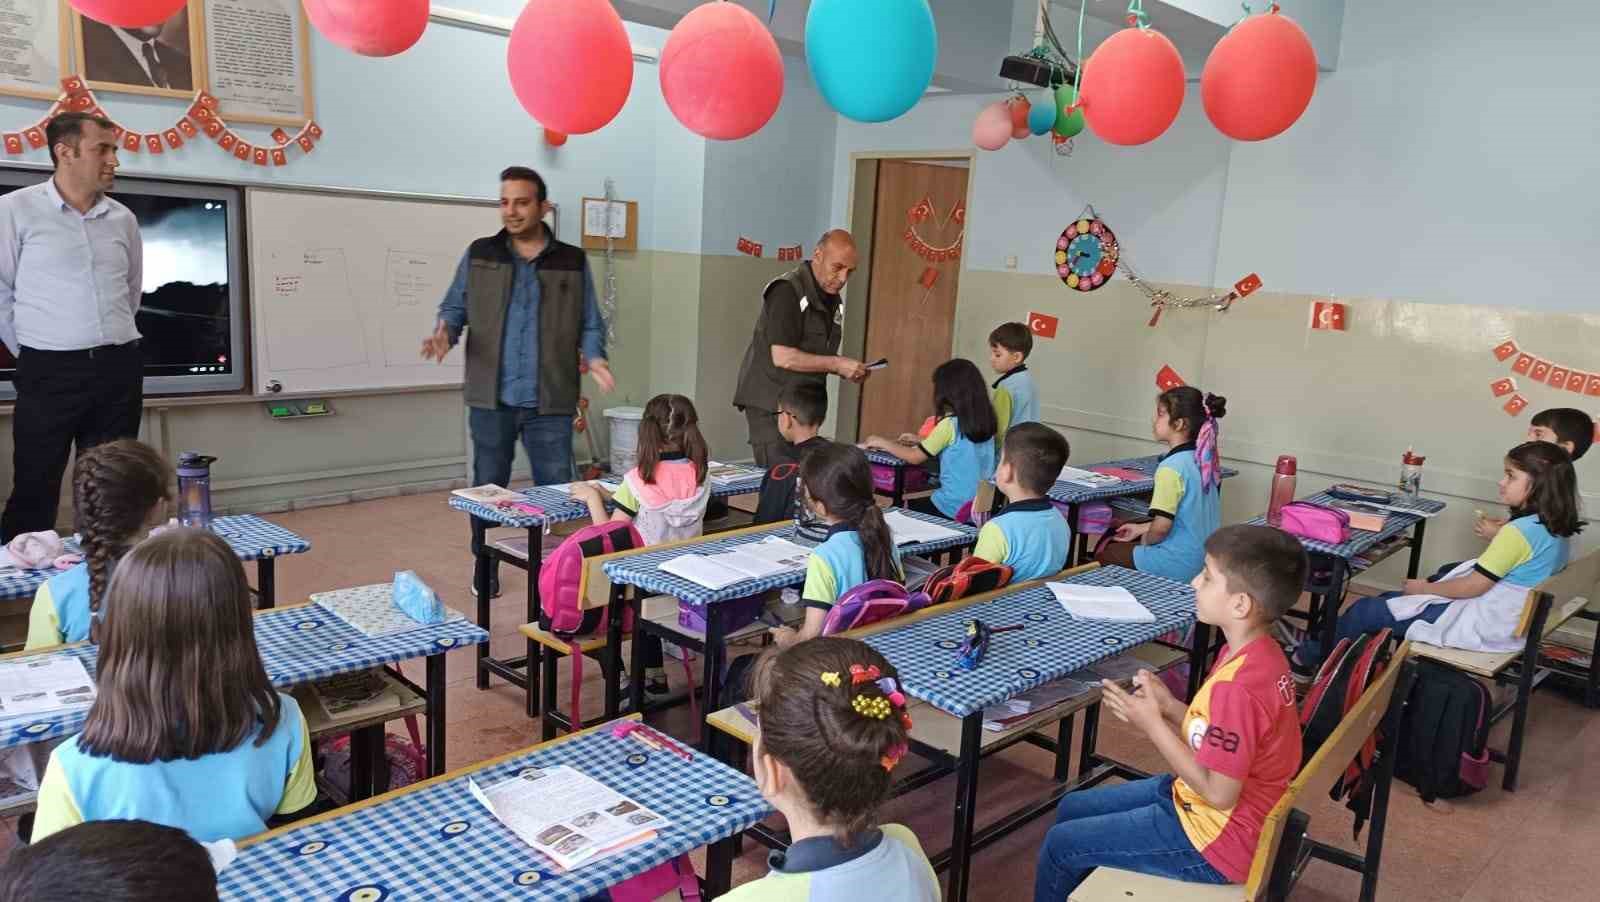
[530,303]
[796,339]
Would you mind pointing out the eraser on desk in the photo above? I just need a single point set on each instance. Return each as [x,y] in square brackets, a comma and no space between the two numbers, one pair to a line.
[413,597]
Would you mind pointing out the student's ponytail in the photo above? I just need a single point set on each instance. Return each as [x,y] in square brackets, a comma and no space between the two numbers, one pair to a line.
[839,477]
[114,488]
[877,542]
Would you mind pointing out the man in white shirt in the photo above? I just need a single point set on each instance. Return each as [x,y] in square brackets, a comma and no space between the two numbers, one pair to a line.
[71,279]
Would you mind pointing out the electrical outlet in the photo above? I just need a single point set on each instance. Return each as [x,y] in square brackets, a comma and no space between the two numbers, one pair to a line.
[1011,261]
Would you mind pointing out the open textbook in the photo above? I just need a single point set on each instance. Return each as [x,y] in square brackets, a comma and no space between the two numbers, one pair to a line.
[755,560]
[570,818]
[44,685]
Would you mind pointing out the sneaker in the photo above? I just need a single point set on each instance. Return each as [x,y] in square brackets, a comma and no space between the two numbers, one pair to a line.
[657,685]
[494,587]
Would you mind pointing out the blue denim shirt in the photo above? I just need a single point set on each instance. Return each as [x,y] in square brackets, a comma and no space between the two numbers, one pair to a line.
[519,349]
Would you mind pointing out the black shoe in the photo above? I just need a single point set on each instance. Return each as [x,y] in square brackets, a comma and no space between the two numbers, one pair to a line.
[494,587]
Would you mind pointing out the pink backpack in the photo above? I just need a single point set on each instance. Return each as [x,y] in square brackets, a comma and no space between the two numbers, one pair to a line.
[561,576]
[872,602]
[1328,525]
[677,874]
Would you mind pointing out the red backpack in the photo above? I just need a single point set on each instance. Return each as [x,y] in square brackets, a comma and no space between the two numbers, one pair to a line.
[1341,681]
[871,602]
[971,576]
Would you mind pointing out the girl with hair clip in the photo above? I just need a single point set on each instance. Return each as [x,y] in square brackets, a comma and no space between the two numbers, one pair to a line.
[664,495]
[1186,505]
[186,730]
[963,440]
[120,490]
[1478,604]
[836,484]
[832,726]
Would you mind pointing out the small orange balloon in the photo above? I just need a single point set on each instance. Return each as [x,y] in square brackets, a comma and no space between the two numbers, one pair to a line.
[554,138]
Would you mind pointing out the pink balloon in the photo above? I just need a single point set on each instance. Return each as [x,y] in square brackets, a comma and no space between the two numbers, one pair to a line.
[721,72]
[129,13]
[370,27]
[1259,78]
[992,129]
[1132,87]
[570,63]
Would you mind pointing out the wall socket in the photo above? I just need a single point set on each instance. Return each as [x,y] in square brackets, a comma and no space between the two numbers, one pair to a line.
[1011,261]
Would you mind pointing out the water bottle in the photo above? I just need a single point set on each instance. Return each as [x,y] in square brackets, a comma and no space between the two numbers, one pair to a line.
[1411,474]
[194,489]
[1282,489]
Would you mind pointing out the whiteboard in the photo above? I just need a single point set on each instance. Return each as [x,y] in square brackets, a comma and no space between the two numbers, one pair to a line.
[344,287]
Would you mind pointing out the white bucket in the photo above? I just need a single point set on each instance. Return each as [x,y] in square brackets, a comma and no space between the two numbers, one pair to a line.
[623,425]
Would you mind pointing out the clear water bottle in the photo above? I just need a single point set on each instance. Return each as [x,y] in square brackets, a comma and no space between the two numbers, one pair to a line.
[1283,478]
[194,489]
[1411,474]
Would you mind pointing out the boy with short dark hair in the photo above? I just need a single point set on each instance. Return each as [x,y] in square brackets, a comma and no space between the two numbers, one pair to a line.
[801,410]
[1015,400]
[136,861]
[1233,749]
[1030,536]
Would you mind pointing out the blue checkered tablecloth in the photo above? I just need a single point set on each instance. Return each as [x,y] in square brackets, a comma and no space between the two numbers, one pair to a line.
[297,644]
[643,572]
[1051,645]
[439,842]
[560,508]
[1360,539]
[250,537]
[1075,493]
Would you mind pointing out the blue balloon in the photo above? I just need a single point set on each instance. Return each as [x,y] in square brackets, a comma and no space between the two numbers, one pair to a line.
[871,61]
[1042,115]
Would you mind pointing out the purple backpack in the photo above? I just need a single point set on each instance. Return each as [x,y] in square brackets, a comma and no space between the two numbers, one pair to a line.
[871,602]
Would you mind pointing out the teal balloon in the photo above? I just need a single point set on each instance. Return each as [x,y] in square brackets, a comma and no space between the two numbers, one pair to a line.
[1042,115]
[1067,125]
[871,61]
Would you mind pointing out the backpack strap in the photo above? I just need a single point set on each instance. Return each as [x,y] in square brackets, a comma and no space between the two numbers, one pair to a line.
[688,881]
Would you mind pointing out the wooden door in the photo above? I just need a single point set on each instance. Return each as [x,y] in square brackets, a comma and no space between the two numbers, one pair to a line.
[912,292]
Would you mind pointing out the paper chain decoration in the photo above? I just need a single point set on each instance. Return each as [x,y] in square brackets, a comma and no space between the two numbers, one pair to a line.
[1555,375]
[202,116]
[920,213]
[1161,299]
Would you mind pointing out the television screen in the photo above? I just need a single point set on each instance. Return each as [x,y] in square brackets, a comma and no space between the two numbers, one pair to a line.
[191,314]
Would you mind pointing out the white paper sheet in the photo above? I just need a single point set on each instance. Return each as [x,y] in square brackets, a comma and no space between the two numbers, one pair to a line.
[1086,477]
[569,817]
[1112,603]
[41,685]
[908,530]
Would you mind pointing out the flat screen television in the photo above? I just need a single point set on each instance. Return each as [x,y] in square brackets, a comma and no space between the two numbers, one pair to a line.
[192,314]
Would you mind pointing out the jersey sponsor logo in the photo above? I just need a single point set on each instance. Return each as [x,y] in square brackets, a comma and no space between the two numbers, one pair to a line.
[1196,732]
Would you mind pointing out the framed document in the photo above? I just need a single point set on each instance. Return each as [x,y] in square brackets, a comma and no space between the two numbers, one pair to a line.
[258,60]
[162,60]
[33,48]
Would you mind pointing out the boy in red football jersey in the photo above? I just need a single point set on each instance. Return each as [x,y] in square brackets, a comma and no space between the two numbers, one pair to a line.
[1233,750]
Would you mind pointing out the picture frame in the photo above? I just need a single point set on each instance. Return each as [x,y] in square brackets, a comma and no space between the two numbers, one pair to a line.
[243,38]
[165,60]
[48,59]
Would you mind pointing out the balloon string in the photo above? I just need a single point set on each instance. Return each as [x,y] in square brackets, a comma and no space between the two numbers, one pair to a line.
[1077,73]
[772,10]
[1137,15]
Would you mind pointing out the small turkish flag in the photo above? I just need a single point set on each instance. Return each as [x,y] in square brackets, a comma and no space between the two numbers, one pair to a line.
[35,137]
[1247,285]
[280,136]
[13,143]
[279,158]
[1042,324]
[929,277]
[1576,381]
[1557,376]
[1327,315]
[1523,365]
[1503,387]
[132,141]
[173,139]
[755,248]
[1593,388]
[153,142]
[1505,350]
[1515,405]
[1168,379]
[187,128]
[1540,371]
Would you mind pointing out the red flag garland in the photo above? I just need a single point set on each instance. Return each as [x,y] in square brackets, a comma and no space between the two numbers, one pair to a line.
[919,213]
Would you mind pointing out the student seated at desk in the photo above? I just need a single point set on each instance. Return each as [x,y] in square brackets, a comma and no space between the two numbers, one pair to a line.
[1233,750]
[837,485]
[1479,604]
[186,729]
[120,491]
[963,440]
[801,410]
[664,495]
[130,861]
[1030,536]
[833,726]
[1186,505]
[1016,401]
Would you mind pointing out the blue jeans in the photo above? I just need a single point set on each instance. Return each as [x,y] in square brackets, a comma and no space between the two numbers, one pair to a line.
[546,439]
[1368,615]
[1132,826]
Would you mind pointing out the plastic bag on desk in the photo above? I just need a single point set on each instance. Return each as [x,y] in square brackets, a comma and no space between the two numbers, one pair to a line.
[413,597]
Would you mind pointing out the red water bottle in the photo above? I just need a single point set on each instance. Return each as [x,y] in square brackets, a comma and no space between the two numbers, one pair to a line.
[1282,489]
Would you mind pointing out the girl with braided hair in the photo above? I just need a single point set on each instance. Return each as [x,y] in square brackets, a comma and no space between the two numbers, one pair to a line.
[120,490]
[832,726]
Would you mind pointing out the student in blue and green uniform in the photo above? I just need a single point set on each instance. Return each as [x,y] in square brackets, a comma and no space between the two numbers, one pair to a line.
[1016,401]
[963,440]
[120,490]
[1186,505]
[1030,536]
[837,485]
[186,730]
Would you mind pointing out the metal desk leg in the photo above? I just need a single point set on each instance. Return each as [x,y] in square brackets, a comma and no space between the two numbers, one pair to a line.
[1064,749]
[711,677]
[1385,777]
[481,569]
[366,751]
[535,650]
[966,811]
[266,581]
[1331,604]
[547,700]
[436,713]
[1416,549]
[1198,650]
[1074,540]
[899,496]
[611,658]
[719,866]
[636,655]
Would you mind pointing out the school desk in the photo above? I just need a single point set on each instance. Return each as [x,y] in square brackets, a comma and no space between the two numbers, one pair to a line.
[897,494]
[434,840]
[1074,495]
[558,506]
[298,644]
[251,538]
[642,572]
[1333,566]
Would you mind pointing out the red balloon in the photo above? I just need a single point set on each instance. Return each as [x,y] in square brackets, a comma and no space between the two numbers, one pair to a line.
[721,72]
[570,63]
[1132,87]
[370,27]
[129,13]
[1259,78]
[1019,107]
[554,138]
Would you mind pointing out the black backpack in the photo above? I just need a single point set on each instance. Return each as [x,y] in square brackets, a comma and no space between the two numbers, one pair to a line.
[1342,680]
[1444,734]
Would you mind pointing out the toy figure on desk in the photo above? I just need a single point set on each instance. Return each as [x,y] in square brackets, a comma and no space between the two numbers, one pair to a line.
[976,646]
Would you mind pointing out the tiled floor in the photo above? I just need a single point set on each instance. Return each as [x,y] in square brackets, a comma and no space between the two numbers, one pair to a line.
[1491,847]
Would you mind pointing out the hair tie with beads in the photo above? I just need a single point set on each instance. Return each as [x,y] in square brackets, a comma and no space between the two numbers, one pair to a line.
[876,707]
